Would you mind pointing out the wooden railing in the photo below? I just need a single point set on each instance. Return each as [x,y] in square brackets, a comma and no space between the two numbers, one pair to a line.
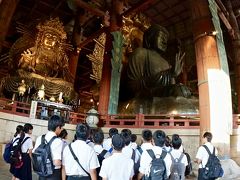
[163,121]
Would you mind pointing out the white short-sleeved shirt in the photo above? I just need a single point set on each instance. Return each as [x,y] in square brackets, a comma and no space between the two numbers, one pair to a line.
[27,145]
[98,149]
[107,143]
[146,146]
[176,153]
[86,156]
[134,145]
[117,166]
[56,146]
[202,154]
[146,160]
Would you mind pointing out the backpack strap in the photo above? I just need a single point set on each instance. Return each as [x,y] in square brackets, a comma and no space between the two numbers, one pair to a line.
[151,153]
[209,153]
[140,149]
[110,150]
[163,155]
[180,158]
[14,140]
[44,141]
[133,155]
[102,154]
[24,140]
[76,159]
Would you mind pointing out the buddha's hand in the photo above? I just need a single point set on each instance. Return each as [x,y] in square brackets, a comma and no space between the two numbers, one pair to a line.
[179,63]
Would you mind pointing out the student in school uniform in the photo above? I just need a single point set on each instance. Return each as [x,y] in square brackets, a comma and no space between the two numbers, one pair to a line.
[25,171]
[18,133]
[107,143]
[55,126]
[86,162]
[117,166]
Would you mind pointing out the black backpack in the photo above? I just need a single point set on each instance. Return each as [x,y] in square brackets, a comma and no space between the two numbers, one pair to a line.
[100,160]
[42,158]
[16,153]
[189,166]
[178,168]
[213,168]
[158,169]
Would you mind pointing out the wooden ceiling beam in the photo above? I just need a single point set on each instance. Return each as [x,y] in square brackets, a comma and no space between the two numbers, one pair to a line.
[89,8]
[142,5]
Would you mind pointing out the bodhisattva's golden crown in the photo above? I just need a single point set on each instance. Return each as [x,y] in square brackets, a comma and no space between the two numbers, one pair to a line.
[53,25]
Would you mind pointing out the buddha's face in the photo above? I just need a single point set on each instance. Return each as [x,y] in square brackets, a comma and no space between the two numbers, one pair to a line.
[50,40]
[162,41]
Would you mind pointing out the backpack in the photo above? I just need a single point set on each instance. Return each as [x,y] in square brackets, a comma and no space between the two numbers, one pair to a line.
[15,155]
[100,160]
[213,168]
[178,168]
[42,158]
[189,166]
[157,167]
[7,151]
[136,165]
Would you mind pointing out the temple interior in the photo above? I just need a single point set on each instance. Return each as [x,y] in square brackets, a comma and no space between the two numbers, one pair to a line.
[132,63]
[83,23]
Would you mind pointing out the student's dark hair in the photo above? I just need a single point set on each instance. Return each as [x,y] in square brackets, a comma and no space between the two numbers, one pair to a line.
[133,137]
[19,129]
[27,127]
[54,122]
[118,142]
[168,142]
[159,137]
[176,141]
[127,137]
[98,137]
[63,134]
[126,134]
[147,135]
[82,131]
[113,131]
[208,135]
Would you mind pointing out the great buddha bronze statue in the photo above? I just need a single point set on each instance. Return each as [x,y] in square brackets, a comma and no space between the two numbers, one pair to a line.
[150,86]
[148,71]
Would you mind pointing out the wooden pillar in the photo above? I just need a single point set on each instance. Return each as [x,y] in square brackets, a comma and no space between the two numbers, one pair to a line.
[7,9]
[73,62]
[104,91]
[213,79]
[235,48]
[115,24]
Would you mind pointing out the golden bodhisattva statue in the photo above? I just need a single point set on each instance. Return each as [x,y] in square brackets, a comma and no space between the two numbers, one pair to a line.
[47,57]
[39,58]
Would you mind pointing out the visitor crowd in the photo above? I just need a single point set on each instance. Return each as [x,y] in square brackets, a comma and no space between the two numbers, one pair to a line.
[117,157]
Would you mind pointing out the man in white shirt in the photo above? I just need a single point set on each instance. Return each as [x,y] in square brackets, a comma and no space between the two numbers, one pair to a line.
[85,154]
[202,155]
[107,143]
[147,141]
[55,124]
[117,166]
[176,153]
[145,162]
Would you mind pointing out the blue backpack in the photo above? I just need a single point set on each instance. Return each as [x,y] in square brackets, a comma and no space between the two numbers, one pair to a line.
[213,168]
[7,151]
